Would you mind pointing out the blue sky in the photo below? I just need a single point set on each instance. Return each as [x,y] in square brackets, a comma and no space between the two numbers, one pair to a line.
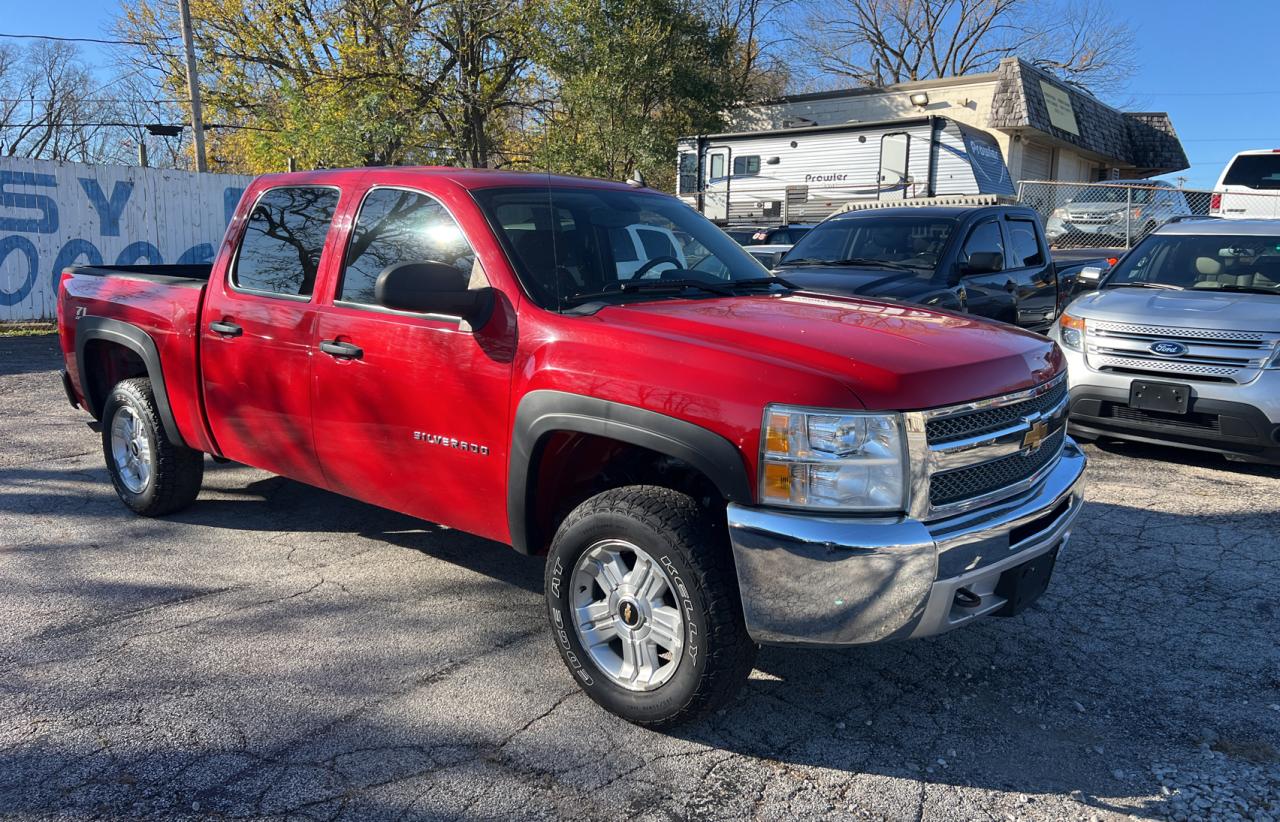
[1214,66]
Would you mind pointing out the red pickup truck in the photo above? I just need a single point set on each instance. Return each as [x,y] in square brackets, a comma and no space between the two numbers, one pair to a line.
[708,457]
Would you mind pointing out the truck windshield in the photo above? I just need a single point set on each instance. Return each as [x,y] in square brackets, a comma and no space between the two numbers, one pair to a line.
[1205,262]
[571,245]
[901,241]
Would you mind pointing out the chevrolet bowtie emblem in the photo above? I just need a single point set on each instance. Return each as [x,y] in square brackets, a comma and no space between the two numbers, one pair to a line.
[1034,437]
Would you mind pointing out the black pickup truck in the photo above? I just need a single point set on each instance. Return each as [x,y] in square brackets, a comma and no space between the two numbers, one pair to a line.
[992,261]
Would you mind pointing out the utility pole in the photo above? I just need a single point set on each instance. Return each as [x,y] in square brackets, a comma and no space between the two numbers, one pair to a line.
[193,85]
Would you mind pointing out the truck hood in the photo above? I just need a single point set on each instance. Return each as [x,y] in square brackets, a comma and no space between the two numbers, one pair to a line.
[1187,309]
[864,282]
[894,357]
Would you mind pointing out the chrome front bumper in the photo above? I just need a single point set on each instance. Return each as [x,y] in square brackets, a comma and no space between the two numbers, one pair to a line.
[809,580]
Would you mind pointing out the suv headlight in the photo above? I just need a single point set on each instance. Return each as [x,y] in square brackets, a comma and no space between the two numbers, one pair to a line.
[1071,332]
[832,460]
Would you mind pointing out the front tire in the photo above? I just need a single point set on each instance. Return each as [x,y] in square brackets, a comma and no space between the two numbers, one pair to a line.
[644,606]
[152,475]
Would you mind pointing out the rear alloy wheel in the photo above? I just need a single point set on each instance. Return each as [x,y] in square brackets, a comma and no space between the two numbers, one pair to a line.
[151,474]
[645,608]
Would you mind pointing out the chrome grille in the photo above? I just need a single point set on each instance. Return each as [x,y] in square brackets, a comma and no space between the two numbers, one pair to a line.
[1164,332]
[974,454]
[978,480]
[974,423]
[1152,365]
[1211,354]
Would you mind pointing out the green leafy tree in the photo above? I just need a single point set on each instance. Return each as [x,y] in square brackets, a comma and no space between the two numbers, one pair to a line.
[626,78]
[347,82]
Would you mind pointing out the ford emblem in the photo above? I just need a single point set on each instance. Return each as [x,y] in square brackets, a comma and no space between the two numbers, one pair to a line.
[1168,348]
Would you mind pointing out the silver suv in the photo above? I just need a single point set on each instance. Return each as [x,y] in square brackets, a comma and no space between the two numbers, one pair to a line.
[1116,212]
[1180,344]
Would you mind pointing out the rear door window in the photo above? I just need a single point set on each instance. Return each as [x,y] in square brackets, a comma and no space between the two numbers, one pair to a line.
[398,226]
[280,251]
[1024,244]
[1261,171]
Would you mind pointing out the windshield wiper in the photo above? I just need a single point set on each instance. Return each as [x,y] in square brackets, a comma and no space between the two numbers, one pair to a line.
[655,287]
[1243,289]
[754,283]
[1165,286]
[851,261]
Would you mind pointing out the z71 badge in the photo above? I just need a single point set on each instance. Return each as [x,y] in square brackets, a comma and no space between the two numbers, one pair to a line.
[451,442]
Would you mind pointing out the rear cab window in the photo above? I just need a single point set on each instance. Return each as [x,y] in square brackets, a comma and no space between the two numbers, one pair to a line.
[1257,171]
[279,254]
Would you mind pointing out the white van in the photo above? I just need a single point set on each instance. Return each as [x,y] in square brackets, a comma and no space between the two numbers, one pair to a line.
[1249,187]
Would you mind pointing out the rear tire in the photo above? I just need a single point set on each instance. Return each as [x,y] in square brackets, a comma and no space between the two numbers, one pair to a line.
[641,575]
[152,475]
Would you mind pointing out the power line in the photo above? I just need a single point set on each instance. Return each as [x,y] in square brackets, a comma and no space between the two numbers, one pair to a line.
[82,39]
[1201,93]
[89,100]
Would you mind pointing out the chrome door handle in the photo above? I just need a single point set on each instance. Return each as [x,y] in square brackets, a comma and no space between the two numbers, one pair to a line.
[225,328]
[341,350]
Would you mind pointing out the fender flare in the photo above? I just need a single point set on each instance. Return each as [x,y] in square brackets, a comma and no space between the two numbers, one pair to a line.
[89,328]
[542,413]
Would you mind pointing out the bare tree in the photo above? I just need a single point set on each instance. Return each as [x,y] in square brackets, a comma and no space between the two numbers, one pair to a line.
[879,42]
[47,105]
[756,67]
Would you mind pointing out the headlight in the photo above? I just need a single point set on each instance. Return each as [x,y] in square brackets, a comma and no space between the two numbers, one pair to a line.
[1071,332]
[1059,213]
[833,461]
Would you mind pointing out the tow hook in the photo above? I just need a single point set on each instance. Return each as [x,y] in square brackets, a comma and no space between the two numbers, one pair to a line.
[967,599]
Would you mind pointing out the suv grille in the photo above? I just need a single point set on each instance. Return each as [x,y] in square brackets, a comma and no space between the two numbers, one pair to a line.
[1211,354]
[963,426]
[975,480]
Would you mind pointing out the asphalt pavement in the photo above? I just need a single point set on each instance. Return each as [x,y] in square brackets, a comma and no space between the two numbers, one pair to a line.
[278,651]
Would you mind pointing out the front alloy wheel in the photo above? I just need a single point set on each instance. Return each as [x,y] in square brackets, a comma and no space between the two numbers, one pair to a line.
[644,605]
[626,616]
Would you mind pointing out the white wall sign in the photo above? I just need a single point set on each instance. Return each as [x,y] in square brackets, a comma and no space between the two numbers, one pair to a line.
[1058,101]
[53,215]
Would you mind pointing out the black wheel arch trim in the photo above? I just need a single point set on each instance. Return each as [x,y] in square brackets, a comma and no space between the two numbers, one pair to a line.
[132,337]
[542,413]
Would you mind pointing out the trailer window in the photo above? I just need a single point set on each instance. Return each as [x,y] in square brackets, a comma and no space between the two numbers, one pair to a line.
[280,251]
[746,166]
[688,173]
[717,166]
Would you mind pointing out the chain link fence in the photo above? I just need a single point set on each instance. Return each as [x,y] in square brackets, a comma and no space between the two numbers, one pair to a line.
[1117,215]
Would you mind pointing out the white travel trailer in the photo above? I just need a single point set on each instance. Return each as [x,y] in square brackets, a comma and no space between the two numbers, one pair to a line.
[805,174]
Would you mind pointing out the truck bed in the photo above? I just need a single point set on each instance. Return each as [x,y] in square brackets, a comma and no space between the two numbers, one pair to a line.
[162,300]
[169,274]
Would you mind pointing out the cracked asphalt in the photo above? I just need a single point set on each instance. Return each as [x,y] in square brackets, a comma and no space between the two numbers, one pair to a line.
[277,651]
